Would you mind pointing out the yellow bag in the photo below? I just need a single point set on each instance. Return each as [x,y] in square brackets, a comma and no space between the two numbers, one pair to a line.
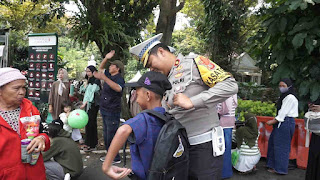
[210,72]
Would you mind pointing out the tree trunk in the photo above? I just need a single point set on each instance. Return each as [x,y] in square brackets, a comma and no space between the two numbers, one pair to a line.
[167,19]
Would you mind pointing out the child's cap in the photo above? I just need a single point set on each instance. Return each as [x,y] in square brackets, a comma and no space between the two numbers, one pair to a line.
[57,122]
[154,81]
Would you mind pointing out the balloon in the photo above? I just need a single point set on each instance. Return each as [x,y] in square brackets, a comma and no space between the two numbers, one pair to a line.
[78,119]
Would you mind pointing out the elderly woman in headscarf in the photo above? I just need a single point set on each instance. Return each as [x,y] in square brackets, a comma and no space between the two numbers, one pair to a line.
[279,143]
[91,105]
[59,93]
[247,143]
[13,109]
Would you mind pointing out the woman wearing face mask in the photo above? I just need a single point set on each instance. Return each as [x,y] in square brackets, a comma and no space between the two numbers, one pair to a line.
[59,93]
[283,128]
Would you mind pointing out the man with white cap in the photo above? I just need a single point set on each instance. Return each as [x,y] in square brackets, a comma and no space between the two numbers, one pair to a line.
[198,85]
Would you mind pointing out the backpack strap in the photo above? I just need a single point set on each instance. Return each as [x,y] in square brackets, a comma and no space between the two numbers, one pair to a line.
[156,114]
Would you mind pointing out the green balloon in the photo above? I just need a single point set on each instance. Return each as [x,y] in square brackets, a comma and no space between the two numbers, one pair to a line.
[78,119]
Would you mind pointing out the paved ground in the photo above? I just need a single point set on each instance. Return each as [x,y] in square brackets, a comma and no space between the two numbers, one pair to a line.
[92,164]
[93,171]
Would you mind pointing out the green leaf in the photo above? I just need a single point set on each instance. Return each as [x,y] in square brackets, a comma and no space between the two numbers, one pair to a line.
[314,91]
[281,9]
[280,57]
[282,24]
[309,44]
[297,41]
[267,22]
[290,54]
[304,88]
[294,5]
[303,6]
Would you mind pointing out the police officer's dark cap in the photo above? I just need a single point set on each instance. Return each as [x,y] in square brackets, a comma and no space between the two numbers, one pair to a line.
[153,81]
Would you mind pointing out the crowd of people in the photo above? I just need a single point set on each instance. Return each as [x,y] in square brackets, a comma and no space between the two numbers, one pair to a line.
[196,91]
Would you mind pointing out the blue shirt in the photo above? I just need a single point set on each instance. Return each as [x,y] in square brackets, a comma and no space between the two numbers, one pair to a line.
[110,100]
[145,129]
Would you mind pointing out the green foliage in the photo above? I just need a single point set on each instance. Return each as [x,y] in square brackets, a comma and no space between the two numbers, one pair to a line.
[75,58]
[256,107]
[194,9]
[252,91]
[19,17]
[289,39]
[111,24]
[188,40]
[221,29]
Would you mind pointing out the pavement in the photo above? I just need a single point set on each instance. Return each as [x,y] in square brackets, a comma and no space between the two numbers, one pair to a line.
[93,170]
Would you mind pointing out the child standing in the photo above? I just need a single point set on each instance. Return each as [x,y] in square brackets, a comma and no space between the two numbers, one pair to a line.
[143,128]
[67,108]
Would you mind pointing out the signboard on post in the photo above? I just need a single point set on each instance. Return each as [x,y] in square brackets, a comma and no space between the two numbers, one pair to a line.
[42,69]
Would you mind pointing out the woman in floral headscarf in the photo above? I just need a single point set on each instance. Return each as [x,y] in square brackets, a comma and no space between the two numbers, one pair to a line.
[59,93]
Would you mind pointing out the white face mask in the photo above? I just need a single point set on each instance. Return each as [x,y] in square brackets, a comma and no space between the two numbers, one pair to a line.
[283,89]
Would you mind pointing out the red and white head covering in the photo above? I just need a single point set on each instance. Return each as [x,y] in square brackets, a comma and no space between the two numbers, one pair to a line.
[8,75]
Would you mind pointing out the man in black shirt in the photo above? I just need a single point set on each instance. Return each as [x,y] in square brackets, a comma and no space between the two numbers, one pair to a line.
[110,99]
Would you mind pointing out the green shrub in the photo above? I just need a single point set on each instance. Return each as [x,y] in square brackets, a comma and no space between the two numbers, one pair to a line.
[256,107]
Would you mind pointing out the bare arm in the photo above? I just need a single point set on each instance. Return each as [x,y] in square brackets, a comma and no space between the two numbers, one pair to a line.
[117,143]
[105,60]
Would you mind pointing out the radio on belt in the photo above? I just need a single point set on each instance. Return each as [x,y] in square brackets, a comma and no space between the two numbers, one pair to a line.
[218,144]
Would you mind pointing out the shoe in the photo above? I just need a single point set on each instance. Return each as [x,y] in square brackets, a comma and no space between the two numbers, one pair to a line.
[116,162]
[271,170]
[67,177]
[102,159]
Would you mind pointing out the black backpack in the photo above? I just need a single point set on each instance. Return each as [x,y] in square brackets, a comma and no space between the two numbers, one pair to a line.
[171,152]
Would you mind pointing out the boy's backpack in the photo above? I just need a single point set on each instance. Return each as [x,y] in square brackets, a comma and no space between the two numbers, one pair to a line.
[312,124]
[171,152]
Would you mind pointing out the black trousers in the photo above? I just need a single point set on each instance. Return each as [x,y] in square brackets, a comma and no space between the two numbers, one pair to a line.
[203,165]
[313,172]
[91,139]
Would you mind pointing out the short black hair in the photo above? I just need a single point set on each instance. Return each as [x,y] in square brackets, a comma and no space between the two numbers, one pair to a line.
[66,104]
[154,50]
[157,96]
[53,130]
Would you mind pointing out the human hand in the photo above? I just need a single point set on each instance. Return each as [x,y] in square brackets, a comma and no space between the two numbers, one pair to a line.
[50,109]
[116,172]
[271,122]
[110,54]
[82,106]
[38,142]
[98,75]
[314,108]
[183,101]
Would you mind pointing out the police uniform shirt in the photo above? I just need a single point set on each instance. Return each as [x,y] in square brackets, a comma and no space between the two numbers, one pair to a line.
[185,78]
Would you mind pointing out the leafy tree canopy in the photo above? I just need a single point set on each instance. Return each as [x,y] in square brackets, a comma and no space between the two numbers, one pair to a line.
[188,40]
[110,24]
[288,45]
[221,29]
